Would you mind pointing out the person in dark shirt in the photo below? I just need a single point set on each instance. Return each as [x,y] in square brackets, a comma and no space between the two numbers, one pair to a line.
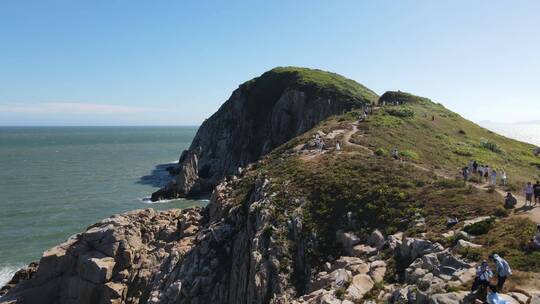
[536,188]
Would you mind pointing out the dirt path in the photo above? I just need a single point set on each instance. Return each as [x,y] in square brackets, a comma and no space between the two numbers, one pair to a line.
[347,139]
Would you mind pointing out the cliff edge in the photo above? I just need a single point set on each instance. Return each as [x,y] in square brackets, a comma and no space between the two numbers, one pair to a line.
[260,115]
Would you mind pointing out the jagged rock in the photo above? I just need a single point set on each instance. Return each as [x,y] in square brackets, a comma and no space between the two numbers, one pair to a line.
[376,239]
[337,278]
[394,241]
[354,264]
[347,239]
[412,248]
[95,267]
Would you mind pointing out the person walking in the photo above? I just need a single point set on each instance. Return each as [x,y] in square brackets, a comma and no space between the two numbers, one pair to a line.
[503,270]
[475,166]
[395,153]
[483,275]
[481,173]
[493,181]
[503,177]
[536,190]
[465,173]
[529,191]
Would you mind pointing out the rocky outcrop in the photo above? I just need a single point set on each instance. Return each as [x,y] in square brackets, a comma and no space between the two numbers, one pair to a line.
[260,115]
[113,261]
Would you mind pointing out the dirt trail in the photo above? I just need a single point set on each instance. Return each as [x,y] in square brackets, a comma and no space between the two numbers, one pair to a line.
[347,139]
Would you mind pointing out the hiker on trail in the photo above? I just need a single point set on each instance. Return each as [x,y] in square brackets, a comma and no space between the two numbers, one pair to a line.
[432,117]
[535,242]
[529,191]
[503,177]
[465,173]
[483,275]
[471,163]
[475,166]
[493,181]
[487,171]
[481,172]
[509,201]
[395,153]
[503,270]
[338,146]
[536,189]
[494,297]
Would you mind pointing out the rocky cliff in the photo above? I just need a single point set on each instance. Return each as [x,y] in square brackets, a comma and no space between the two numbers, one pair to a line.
[261,114]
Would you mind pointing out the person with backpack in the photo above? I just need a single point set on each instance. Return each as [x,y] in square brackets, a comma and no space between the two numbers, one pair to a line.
[536,190]
[483,275]
[503,270]
[509,201]
[465,174]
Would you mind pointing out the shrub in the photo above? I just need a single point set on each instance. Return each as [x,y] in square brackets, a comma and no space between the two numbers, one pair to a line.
[409,154]
[490,145]
[400,112]
[501,212]
[463,152]
[479,228]
[380,152]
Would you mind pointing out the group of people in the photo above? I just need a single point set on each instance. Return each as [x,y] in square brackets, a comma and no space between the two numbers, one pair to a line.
[484,171]
[530,192]
[319,142]
[484,274]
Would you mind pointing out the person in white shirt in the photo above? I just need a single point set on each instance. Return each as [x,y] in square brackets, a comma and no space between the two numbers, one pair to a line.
[483,275]
[503,177]
[493,181]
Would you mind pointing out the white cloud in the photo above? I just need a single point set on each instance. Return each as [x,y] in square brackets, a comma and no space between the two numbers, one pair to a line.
[74,108]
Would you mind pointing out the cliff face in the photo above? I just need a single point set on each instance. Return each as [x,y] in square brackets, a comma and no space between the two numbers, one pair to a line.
[259,116]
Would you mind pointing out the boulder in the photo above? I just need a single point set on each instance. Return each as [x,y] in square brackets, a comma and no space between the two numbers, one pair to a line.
[95,268]
[360,285]
[363,250]
[449,298]
[377,270]
[521,298]
[376,239]
[347,239]
[462,244]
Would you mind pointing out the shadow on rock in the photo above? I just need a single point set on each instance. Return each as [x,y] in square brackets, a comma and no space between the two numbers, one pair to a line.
[160,176]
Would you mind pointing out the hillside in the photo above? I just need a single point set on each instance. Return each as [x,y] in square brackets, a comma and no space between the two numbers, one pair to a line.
[261,114]
[300,224]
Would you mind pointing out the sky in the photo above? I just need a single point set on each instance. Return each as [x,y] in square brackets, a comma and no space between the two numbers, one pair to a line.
[112,62]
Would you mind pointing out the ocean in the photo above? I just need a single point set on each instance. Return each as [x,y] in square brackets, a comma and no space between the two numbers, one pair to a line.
[56,181]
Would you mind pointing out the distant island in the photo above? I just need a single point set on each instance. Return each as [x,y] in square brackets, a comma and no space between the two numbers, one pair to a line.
[321,192]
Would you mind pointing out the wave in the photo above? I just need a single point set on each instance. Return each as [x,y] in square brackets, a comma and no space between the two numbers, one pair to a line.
[146,200]
[7,272]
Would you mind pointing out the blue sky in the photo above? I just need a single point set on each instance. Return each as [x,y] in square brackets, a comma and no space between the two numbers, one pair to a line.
[175,62]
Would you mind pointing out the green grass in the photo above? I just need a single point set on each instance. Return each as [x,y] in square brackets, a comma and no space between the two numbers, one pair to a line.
[449,142]
[262,91]
[509,238]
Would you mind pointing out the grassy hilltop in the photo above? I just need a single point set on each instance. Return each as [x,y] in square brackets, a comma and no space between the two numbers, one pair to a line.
[390,195]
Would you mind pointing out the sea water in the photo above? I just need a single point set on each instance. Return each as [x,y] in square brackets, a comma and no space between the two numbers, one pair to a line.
[56,181]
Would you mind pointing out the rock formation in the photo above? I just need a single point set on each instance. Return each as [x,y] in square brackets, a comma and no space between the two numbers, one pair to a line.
[260,115]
